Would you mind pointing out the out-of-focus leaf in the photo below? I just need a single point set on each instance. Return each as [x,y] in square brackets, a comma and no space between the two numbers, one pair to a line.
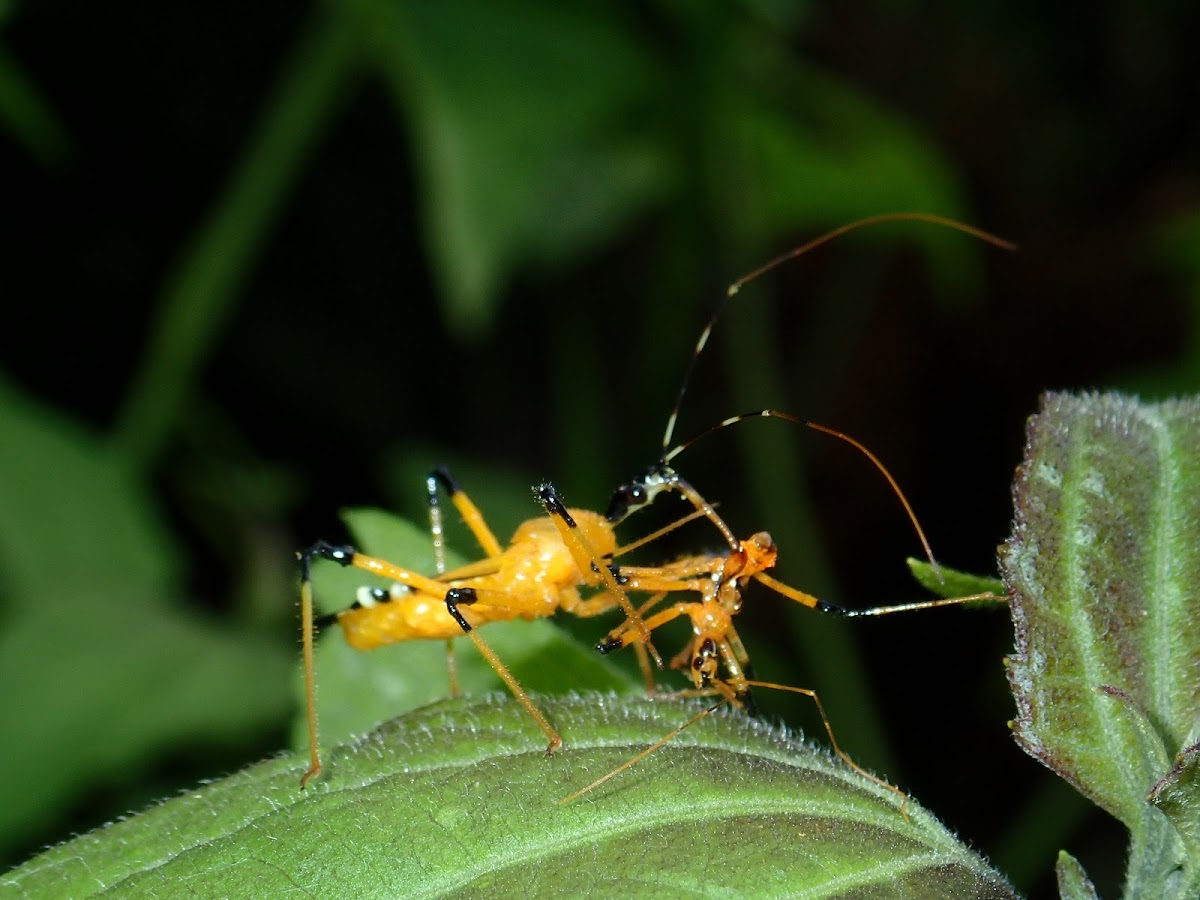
[1048,817]
[26,116]
[1176,248]
[516,112]
[459,799]
[95,693]
[72,520]
[98,670]
[840,158]
[1101,572]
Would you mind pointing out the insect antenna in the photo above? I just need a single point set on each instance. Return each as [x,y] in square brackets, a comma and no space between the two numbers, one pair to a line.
[824,429]
[795,253]
[661,476]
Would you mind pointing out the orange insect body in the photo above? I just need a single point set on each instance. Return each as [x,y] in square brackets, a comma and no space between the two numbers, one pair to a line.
[541,571]
[535,576]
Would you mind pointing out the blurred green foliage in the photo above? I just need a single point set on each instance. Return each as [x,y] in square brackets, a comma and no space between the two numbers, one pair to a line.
[260,264]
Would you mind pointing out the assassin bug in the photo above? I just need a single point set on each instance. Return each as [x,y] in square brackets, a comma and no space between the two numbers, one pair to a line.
[541,571]
[715,646]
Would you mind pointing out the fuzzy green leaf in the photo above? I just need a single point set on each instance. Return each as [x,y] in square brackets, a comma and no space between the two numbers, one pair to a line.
[1175,795]
[1073,882]
[458,799]
[1102,571]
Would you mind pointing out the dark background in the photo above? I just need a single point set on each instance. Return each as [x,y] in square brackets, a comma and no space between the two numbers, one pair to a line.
[268,262]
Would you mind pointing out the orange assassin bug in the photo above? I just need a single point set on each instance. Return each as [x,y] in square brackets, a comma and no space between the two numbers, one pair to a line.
[550,558]
[540,571]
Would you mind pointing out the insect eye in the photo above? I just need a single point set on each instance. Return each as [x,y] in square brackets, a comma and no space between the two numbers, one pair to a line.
[625,499]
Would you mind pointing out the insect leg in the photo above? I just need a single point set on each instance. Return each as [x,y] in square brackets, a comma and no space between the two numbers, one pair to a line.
[437,532]
[588,561]
[629,763]
[845,757]
[346,556]
[310,678]
[441,478]
[456,597]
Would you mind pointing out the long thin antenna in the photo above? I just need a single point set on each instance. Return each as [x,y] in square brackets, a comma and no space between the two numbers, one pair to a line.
[929,218]
[824,429]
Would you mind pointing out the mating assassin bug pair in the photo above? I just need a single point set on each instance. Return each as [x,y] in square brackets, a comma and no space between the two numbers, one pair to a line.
[550,558]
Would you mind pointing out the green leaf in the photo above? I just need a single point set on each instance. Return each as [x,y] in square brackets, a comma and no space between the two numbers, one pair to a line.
[100,670]
[121,685]
[1175,795]
[71,518]
[517,113]
[1073,882]
[1102,571]
[458,799]
[819,153]
[951,582]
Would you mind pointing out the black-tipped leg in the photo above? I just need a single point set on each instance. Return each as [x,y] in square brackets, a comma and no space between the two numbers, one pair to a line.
[456,597]
[448,482]
[587,560]
[342,555]
[608,644]
[547,495]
